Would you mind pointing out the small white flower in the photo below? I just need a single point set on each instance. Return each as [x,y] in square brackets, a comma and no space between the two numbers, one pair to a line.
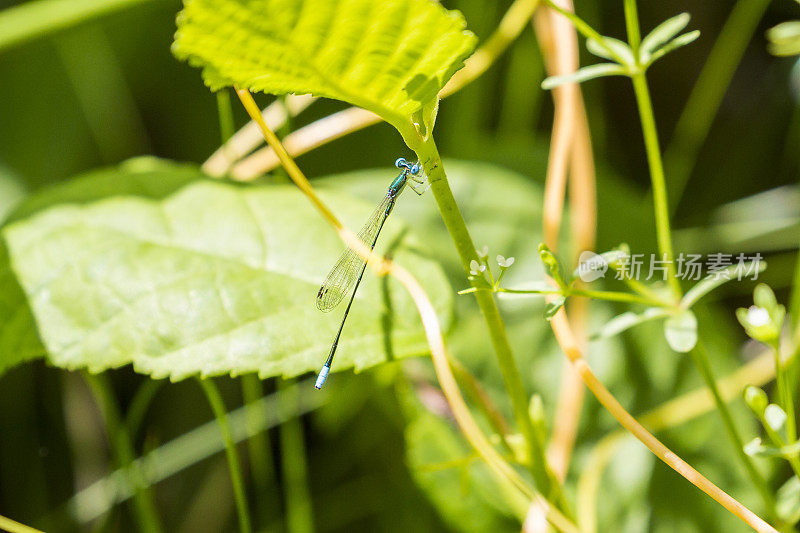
[757,316]
[753,447]
[483,253]
[503,262]
[475,267]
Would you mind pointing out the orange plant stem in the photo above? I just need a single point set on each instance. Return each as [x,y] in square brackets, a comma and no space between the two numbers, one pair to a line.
[568,344]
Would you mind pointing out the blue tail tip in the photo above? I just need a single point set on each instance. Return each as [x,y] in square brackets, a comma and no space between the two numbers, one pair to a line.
[323,375]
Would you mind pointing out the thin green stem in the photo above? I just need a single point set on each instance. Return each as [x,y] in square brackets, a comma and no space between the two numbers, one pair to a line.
[225,113]
[632,27]
[476,393]
[650,133]
[611,296]
[190,449]
[640,288]
[258,446]
[700,356]
[141,401]
[299,515]
[794,303]
[784,394]
[614,296]
[122,446]
[793,361]
[698,114]
[661,203]
[234,465]
[454,221]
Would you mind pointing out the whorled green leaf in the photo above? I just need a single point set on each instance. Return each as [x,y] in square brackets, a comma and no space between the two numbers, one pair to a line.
[213,279]
[662,34]
[584,74]
[621,49]
[674,44]
[391,57]
[627,320]
[681,331]
[712,281]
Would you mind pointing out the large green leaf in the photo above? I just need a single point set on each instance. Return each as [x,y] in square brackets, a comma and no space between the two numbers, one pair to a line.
[457,482]
[19,340]
[12,190]
[391,57]
[144,176]
[213,279]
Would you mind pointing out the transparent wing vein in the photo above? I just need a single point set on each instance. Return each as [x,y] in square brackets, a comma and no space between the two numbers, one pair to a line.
[344,273]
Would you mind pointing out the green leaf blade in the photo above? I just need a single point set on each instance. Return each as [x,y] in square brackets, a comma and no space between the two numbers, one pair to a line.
[390,57]
[442,466]
[584,74]
[621,49]
[663,33]
[626,321]
[674,44]
[214,279]
[738,271]
[681,331]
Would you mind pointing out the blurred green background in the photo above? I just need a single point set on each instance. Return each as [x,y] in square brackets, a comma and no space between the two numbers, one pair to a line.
[109,89]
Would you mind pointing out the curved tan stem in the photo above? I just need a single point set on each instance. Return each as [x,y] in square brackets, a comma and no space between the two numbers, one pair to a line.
[13,526]
[569,345]
[249,137]
[560,49]
[571,149]
[304,140]
[548,28]
[675,412]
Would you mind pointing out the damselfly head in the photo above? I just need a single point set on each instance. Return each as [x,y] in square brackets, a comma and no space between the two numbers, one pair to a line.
[414,169]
